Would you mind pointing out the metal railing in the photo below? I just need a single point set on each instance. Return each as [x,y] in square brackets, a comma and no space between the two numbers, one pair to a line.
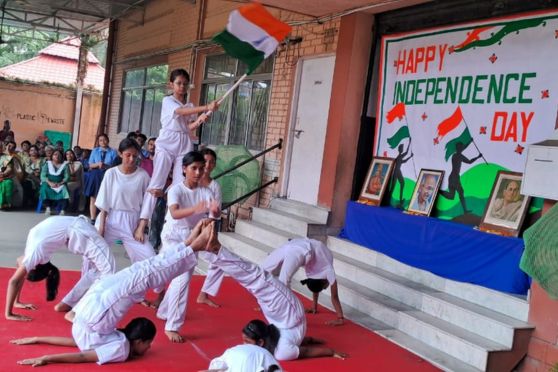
[279,146]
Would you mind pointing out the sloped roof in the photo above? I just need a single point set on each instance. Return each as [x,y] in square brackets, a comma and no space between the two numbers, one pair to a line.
[67,48]
[57,63]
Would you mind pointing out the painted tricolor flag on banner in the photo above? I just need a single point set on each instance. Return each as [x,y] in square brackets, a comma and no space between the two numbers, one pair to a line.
[252,35]
[456,126]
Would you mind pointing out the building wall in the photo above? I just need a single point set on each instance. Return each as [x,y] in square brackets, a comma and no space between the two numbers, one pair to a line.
[166,35]
[34,108]
[542,354]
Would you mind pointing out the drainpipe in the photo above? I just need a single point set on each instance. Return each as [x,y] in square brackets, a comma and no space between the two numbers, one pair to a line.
[109,67]
[81,73]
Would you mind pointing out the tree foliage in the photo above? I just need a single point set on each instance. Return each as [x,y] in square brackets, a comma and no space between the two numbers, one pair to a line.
[17,47]
[21,44]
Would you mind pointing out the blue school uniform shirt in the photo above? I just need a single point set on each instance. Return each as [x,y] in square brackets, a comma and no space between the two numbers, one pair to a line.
[109,158]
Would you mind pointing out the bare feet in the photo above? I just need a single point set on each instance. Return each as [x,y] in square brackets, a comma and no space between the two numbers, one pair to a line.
[196,231]
[20,305]
[213,244]
[18,317]
[174,337]
[203,298]
[62,307]
[69,316]
[155,304]
[340,355]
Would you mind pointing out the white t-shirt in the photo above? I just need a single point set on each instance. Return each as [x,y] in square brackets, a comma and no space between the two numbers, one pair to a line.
[172,121]
[321,264]
[184,197]
[216,190]
[245,358]
[46,238]
[110,347]
[122,192]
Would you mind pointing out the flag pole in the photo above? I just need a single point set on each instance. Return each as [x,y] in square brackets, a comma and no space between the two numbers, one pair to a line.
[231,89]
[474,143]
[411,146]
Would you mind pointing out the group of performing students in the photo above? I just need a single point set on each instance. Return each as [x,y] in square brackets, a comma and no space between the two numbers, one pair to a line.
[126,199]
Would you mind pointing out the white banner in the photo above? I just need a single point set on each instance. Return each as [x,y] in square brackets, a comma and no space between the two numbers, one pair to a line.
[467,99]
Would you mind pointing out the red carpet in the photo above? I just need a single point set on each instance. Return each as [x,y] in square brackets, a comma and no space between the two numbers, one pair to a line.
[208,333]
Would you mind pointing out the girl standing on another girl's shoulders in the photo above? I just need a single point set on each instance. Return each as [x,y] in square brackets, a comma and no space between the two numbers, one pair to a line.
[178,120]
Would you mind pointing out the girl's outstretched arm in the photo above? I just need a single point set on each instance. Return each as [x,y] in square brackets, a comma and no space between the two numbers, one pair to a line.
[81,357]
[12,294]
[49,340]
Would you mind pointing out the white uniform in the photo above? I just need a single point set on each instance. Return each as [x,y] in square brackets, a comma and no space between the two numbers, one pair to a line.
[120,195]
[109,299]
[173,307]
[278,303]
[310,253]
[171,145]
[81,238]
[244,358]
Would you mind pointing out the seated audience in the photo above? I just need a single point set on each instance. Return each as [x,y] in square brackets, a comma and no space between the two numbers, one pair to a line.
[54,178]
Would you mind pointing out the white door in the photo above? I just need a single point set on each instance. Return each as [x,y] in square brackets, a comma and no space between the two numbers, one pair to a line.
[308,129]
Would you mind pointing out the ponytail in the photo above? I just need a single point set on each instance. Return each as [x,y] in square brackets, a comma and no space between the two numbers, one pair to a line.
[257,330]
[52,275]
[314,285]
[141,329]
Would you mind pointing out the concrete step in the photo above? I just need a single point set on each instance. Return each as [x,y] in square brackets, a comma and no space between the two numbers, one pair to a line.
[290,223]
[263,233]
[492,325]
[438,358]
[455,341]
[510,305]
[315,213]
[246,248]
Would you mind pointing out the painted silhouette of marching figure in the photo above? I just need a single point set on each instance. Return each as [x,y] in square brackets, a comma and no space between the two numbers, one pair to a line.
[397,174]
[454,179]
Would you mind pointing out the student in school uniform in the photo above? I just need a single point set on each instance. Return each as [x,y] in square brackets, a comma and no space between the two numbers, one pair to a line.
[245,358]
[317,261]
[214,276]
[178,119]
[121,344]
[43,241]
[95,317]
[119,200]
[188,203]
[102,158]
[279,305]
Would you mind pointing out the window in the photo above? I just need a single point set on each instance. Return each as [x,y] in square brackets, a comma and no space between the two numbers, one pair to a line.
[242,118]
[142,96]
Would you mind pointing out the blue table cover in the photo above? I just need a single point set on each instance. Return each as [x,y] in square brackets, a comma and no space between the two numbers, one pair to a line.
[448,249]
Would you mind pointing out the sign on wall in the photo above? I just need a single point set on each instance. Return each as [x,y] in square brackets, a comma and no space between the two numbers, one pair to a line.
[466,99]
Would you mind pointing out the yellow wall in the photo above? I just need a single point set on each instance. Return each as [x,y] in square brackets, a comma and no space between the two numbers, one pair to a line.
[34,108]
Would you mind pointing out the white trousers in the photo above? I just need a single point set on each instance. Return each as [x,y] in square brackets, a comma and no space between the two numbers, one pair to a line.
[97,258]
[175,303]
[278,303]
[170,148]
[120,225]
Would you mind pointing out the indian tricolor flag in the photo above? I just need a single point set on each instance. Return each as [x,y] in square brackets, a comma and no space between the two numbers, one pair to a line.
[252,35]
[458,132]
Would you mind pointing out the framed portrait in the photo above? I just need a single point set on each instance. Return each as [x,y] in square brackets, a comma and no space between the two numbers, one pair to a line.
[506,208]
[377,180]
[425,192]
